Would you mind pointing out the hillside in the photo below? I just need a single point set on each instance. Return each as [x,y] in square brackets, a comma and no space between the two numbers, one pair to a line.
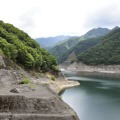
[96,32]
[49,42]
[72,54]
[62,51]
[108,52]
[36,99]
[22,49]
[59,49]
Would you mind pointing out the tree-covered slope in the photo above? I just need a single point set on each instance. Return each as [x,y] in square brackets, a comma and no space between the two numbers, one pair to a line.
[79,48]
[60,49]
[108,52]
[63,50]
[22,49]
[96,32]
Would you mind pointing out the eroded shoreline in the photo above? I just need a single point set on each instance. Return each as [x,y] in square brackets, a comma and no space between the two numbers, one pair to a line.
[80,67]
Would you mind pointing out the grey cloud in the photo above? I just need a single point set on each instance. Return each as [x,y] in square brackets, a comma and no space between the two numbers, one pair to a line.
[106,17]
[27,19]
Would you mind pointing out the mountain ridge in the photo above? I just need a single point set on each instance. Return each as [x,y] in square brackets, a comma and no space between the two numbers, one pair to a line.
[61,49]
[107,52]
[48,42]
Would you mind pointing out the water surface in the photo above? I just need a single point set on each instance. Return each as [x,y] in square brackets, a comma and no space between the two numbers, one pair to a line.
[97,98]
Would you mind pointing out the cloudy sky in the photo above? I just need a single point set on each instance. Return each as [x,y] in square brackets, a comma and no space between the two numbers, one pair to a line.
[43,18]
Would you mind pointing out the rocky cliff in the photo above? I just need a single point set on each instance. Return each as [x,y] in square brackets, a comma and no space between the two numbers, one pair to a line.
[31,101]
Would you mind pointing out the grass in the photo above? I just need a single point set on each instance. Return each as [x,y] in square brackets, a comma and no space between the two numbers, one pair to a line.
[52,77]
[1,53]
[25,81]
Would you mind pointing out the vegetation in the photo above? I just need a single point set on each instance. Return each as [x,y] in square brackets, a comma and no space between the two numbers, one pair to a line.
[79,48]
[62,48]
[53,78]
[77,45]
[25,81]
[22,49]
[96,32]
[108,52]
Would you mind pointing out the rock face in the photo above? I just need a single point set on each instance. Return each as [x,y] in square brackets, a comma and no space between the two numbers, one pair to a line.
[22,89]
[29,102]
[2,64]
[90,68]
[41,104]
[10,77]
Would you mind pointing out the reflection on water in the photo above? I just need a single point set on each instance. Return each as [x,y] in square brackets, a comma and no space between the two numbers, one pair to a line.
[97,98]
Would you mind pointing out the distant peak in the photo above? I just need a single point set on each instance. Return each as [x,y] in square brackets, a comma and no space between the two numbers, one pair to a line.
[116,27]
[96,32]
[99,28]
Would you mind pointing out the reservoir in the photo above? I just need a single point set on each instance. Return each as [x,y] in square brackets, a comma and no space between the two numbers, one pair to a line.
[97,97]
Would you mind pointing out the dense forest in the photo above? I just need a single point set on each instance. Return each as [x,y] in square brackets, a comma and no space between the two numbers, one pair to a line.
[60,49]
[79,48]
[107,52]
[22,49]
[76,45]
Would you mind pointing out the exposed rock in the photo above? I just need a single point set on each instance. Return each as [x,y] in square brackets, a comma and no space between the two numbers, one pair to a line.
[97,68]
[15,90]
[42,104]
[10,77]
[23,102]
[22,89]
[2,64]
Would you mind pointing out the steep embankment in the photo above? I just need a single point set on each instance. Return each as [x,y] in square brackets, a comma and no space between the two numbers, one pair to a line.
[39,104]
[33,101]
[22,49]
[24,95]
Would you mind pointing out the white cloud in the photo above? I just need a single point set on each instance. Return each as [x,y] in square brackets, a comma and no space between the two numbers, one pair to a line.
[55,17]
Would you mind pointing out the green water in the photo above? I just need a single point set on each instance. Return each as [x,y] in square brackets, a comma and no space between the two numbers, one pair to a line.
[97,98]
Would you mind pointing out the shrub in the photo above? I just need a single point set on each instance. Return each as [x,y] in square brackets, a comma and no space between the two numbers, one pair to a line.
[25,81]
[1,52]
[53,77]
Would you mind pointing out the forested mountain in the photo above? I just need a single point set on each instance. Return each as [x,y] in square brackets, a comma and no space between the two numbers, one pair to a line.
[107,52]
[96,32]
[79,48]
[51,41]
[22,49]
[61,51]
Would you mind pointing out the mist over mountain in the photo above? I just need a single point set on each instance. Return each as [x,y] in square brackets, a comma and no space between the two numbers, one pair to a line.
[96,32]
[51,41]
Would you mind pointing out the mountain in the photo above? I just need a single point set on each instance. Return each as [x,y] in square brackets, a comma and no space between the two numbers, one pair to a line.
[72,54]
[51,41]
[59,49]
[20,48]
[107,52]
[63,49]
[96,32]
